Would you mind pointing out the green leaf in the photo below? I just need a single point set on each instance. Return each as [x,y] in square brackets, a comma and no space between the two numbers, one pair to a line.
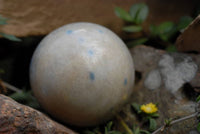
[136,107]
[121,13]
[3,20]
[10,37]
[25,97]
[171,48]
[137,130]
[108,126]
[168,122]
[165,27]
[20,96]
[132,28]
[184,22]
[136,42]
[155,115]
[152,124]
[142,15]
[167,36]
[198,99]
[139,12]
[166,30]
[134,10]
[198,127]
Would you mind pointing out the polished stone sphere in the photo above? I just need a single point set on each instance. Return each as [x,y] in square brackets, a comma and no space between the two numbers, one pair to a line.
[82,74]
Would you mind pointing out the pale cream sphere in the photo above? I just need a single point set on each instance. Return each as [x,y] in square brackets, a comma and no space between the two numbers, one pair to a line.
[82,74]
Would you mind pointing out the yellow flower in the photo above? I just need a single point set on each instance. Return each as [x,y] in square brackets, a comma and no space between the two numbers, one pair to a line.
[149,108]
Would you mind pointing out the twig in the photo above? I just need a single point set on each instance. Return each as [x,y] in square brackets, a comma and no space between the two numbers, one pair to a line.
[11,87]
[128,130]
[174,122]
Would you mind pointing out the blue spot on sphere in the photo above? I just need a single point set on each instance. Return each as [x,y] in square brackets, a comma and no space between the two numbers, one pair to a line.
[69,31]
[100,31]
[92,76]
[90,52]
[125,81]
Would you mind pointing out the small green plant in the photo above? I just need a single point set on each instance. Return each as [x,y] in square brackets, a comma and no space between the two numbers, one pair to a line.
[136,16]
[164,32]
[137,130]
[168,122]
[198,127]
[148,113]
[25,97]
[198,99]
[107,130]
[3,21]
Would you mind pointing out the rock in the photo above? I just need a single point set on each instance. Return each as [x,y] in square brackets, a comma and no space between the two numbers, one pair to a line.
[18,119]
[189,39]
[37,17]
[146,57]
[195,82]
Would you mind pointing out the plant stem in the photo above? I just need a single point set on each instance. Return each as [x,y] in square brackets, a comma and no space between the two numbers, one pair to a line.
[11,87]
[176,121]
[128,130]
